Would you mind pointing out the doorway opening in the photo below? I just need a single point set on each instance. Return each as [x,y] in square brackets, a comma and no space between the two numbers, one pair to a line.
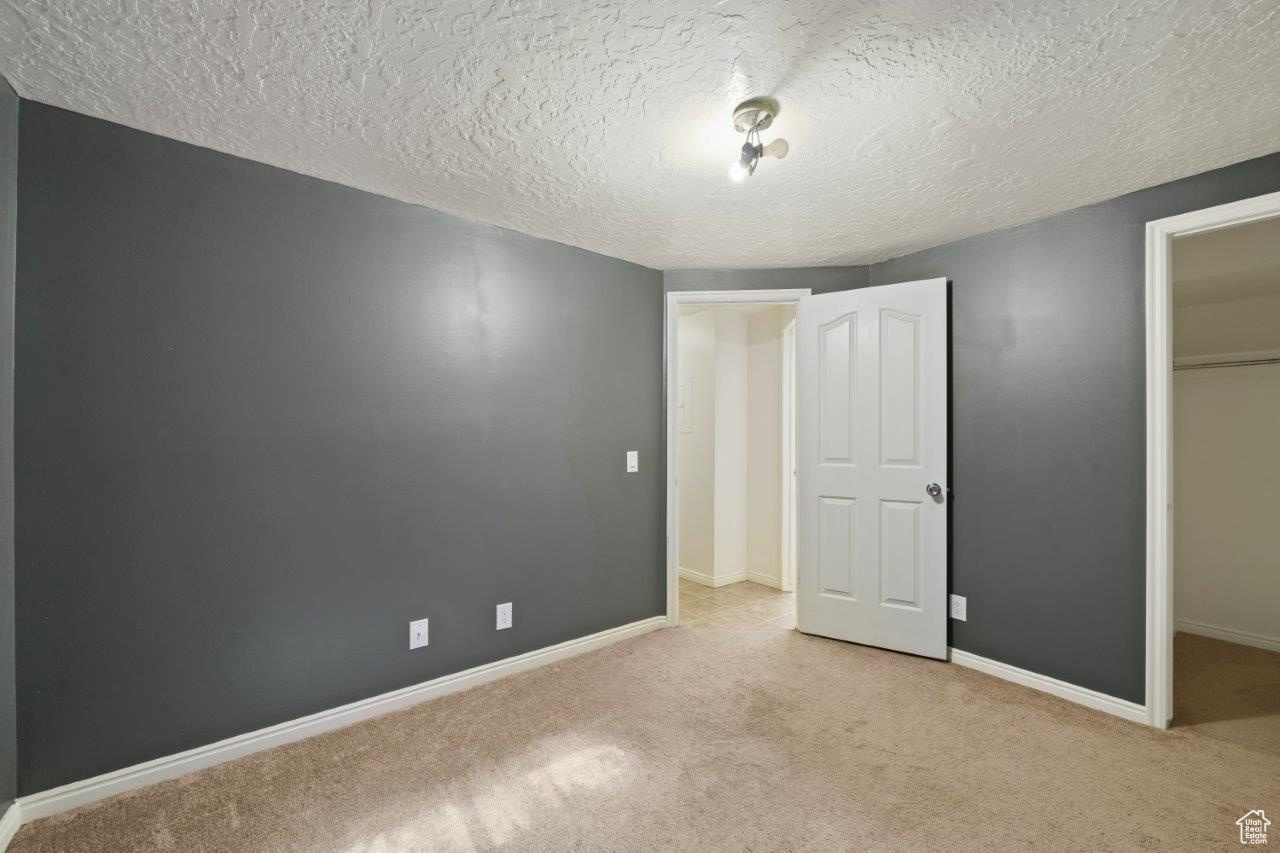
[869,438]
[731,473]
[1213,414]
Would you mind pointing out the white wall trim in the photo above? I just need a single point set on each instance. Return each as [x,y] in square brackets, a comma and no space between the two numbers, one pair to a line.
[708,580]
[765,580]
[1080,695]
[696,577]
[787,537]
[1229,635]
[85,791]
[672,382]
[724,580]
[1159,345]
[10,824]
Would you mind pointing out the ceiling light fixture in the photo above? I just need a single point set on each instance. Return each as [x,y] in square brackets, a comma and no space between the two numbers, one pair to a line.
[751,117]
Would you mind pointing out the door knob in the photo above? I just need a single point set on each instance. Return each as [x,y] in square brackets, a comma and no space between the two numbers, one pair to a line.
[933,489]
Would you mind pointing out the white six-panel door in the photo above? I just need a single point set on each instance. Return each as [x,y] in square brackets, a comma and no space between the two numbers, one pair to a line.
[871,441]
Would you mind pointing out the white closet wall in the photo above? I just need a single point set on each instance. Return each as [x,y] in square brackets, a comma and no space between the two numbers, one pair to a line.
[1226,466]
[729,464]
[1226,457]
[1236,325]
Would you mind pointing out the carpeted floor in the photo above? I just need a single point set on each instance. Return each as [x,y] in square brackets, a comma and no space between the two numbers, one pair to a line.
[710,739]
[1228,692]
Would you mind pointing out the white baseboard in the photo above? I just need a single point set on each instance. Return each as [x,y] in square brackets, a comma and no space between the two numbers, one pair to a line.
[75,794]
[1081,695]
[766,580]
[1243,638]
[696,577]
[10,824]
[708,580]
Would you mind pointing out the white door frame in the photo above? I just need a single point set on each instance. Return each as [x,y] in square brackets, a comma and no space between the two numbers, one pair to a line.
[787,538]
[1159,305]
[671,351]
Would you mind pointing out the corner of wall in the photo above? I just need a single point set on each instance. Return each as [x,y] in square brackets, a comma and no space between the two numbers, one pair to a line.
[8,257]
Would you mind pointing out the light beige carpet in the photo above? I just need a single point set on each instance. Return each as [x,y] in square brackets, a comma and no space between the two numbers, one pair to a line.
[710,739]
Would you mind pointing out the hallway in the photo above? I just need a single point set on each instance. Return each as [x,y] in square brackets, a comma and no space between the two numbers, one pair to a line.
[737,605]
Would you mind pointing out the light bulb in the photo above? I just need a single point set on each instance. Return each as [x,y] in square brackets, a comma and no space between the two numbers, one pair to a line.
[777,148]
[737,173]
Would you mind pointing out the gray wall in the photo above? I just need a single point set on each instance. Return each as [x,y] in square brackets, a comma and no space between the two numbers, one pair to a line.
[818,279]
[264,421]
[8,237]
[1048,429]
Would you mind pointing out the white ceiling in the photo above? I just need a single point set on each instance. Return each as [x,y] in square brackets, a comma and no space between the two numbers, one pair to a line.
[606,124]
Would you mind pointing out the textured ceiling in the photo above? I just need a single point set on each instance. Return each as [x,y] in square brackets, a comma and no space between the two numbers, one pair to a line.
[606,124]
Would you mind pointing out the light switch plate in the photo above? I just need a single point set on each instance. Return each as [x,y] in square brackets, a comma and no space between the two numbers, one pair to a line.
[959,606]
[633,461]
[504,616]
[418,634]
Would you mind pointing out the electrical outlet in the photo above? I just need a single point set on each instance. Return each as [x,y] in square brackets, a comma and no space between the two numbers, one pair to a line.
[504,616]
[633,461]
[418,634]
[958,608]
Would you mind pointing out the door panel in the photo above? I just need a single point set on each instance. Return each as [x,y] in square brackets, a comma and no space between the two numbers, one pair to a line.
[871,436]
[900,571]
[835,538]
[899,388]
[839,349]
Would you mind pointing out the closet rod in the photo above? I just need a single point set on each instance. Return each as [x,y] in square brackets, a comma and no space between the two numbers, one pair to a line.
[1241,363]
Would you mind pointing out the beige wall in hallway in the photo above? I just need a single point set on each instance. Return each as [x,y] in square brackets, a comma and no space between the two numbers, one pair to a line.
[695,465]
[729,458]
[764,436]
[731,446]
